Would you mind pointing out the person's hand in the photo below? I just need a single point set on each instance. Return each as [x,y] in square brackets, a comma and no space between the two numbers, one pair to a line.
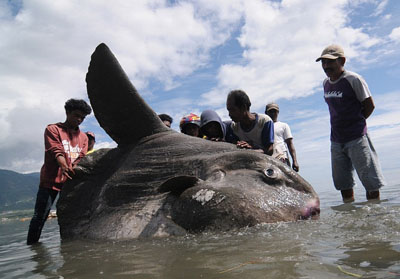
[295,167]
[216,139]
[66,171]
[243,145]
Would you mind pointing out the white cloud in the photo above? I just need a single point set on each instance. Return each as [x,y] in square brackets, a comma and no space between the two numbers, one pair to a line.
[281,42]
[384,123]
[395,34]
[46,48]
[387,17]
[381,7]
[100,145]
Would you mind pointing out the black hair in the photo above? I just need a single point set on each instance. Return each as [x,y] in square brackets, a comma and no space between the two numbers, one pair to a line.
[165,117]
[90,137]
[240,99]
[77,104]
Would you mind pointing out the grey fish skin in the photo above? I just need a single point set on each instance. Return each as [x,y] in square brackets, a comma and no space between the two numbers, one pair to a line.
[158,182]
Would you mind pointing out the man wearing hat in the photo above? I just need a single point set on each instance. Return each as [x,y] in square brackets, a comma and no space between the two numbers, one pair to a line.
[282,138]
[190,125]
[350,103]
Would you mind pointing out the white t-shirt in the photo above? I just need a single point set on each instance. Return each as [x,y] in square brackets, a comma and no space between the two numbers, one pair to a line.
[281,133]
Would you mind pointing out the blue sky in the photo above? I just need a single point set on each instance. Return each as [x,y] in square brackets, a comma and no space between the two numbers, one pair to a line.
[185,56]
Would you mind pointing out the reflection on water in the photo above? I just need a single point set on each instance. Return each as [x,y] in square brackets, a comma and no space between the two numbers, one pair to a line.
[348,241]
[47,259]
[371,255]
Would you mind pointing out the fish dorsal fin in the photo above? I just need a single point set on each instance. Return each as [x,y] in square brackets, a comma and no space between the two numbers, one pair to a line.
[118,107]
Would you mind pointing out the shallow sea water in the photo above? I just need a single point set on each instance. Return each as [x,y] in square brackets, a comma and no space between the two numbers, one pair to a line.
[358,240]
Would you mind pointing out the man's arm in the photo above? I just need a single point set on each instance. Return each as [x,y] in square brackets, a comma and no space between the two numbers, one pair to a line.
[54,146]
[368,107]
[65,169]
[269,149]
[292,152]
[268,136]
[52,141]
[245,145]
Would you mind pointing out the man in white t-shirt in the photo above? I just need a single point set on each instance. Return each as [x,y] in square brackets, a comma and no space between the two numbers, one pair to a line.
[283,138]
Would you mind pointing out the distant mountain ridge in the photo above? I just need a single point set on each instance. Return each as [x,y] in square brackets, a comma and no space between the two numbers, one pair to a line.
[17,190]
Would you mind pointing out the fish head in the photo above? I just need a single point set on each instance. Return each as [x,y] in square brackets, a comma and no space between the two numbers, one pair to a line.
[238,189]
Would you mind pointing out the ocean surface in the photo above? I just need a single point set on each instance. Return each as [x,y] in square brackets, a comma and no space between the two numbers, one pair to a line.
[357,240]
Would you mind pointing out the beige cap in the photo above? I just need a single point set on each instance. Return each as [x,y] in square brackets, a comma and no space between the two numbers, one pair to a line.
[271,106]
[331,52]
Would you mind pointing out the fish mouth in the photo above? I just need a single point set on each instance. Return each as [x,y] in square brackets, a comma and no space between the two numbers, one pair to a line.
[311,210]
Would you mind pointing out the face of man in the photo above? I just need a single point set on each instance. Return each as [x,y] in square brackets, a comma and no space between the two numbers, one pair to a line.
[273,113]
[91,143]
[333,68]
[235,113]
[212,130]
[192,130]
[75,118]
[167,123]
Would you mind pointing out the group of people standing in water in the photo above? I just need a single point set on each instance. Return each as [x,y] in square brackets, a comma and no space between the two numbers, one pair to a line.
[350,103]
[346,93]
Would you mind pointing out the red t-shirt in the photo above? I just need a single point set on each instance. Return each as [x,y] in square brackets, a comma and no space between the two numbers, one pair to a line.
[60,140]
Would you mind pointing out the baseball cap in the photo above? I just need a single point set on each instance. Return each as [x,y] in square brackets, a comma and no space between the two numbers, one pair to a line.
[272,106]
[189,119]
[331,52]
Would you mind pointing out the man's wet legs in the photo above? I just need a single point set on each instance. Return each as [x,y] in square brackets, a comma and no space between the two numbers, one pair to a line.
[347,195]
[44,200]
[372,195]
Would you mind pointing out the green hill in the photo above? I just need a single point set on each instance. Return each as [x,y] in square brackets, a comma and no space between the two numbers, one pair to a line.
[17,191]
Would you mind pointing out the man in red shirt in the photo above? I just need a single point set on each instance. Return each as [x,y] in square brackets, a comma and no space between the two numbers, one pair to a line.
[65,145]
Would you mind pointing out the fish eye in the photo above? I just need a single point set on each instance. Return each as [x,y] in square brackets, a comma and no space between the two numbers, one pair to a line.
[270,173]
